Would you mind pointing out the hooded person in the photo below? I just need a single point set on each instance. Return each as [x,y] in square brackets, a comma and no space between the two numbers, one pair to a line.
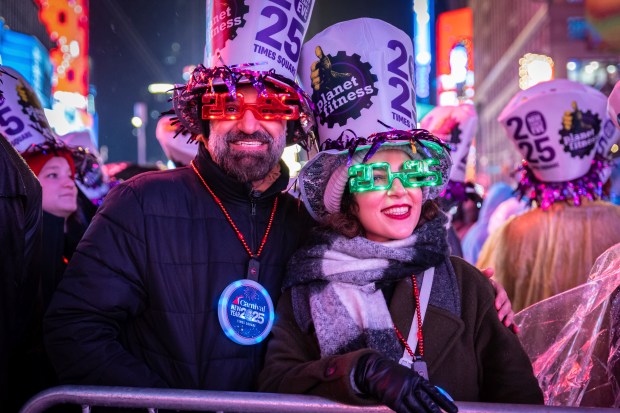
[374,310]
[557,126]
[456,125]
[174,283]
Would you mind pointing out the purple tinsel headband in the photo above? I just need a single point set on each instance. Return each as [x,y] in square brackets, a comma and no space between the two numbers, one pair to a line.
[375,140]
[545,194]
[187,98]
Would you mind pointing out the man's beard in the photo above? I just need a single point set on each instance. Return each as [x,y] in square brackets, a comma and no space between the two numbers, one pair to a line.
[245,166]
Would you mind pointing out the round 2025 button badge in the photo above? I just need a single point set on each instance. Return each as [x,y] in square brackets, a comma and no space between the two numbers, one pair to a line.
[246,312]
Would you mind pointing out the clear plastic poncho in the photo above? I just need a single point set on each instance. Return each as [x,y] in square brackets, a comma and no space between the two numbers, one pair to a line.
[573,339]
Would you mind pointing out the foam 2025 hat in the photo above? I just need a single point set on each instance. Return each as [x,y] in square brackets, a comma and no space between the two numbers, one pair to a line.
[257,43]
[360,72]
[557,125]
[456,126]
[24,122]
[27,129]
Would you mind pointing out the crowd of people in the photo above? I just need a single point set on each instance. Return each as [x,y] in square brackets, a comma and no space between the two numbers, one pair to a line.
[369,287]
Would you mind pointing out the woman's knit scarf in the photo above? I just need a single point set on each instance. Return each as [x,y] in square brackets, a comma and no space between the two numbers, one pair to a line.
[336,285]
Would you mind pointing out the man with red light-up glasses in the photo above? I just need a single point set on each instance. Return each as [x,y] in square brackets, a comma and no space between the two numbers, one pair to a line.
[175,282]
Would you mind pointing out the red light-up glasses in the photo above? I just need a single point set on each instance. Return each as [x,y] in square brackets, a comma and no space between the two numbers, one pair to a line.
[270,106]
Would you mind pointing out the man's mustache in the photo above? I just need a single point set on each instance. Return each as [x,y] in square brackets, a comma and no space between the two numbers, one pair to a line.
[258,136]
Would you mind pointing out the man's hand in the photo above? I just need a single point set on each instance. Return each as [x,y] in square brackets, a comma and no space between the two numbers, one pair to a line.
[321,73]
[502,302]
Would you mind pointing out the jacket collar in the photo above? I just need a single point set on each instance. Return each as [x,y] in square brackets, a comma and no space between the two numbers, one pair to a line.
[228,187]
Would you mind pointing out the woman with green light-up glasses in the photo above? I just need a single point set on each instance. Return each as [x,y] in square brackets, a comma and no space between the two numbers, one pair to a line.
[374,308]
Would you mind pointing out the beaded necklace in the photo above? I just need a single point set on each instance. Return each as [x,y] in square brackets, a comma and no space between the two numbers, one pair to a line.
[416,297]
[232,223]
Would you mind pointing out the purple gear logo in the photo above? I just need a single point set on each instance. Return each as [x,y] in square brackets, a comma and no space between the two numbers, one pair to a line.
[343,97]
[580,132]
[227,18]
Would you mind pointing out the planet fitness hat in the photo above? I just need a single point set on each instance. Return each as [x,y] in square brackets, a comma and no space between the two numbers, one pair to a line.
[556,125]
[360,73]
[24,122]
[456,126]
[257,43]
[26,127]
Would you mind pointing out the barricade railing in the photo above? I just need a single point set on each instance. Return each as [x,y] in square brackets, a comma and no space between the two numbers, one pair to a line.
[216,401]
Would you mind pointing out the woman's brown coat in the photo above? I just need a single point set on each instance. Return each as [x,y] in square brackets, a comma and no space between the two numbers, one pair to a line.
[473,358]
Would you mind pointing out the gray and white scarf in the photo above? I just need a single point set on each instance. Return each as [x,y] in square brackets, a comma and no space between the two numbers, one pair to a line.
[336,285]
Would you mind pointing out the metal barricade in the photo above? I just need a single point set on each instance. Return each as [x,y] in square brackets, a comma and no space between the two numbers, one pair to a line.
[205,400]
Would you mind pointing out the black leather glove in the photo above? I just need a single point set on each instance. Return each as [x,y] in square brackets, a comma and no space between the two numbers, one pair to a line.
[401,389]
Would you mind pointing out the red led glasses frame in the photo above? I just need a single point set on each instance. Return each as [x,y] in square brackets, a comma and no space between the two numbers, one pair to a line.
[272,106]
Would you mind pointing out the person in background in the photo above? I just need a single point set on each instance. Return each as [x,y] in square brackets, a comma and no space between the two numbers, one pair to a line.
[55,169]
[54,164]
[169,253]
[456,125]
[20,267]
[613,111]
[466,212]
[550,248]
[478,233]
[578,327]
[374,309]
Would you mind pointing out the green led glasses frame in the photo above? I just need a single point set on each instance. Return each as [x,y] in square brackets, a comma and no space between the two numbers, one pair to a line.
[378,176]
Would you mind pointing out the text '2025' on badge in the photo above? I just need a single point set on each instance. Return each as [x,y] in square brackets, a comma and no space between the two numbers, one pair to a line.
[246,312]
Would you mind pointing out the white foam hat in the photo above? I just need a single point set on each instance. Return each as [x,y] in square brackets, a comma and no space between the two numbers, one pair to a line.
[455,125]
[177,149]
[613,105]
[556,125]
[360,72]
[24,123]
[611,131]
[258,31]
[94,181]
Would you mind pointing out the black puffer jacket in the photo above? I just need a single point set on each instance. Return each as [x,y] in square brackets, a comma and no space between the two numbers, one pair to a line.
[20,273]
[138,303]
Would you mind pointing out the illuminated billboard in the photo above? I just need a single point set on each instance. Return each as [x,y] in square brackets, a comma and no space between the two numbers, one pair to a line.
[455,57]
[26,54]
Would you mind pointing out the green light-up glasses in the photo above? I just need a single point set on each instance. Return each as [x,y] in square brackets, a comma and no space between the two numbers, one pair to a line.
[378,176]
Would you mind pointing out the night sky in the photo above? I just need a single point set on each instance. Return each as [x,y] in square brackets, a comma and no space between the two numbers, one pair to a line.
[132,44]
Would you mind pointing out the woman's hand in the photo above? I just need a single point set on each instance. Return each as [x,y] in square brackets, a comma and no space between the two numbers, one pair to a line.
[401,389]
[502,302]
